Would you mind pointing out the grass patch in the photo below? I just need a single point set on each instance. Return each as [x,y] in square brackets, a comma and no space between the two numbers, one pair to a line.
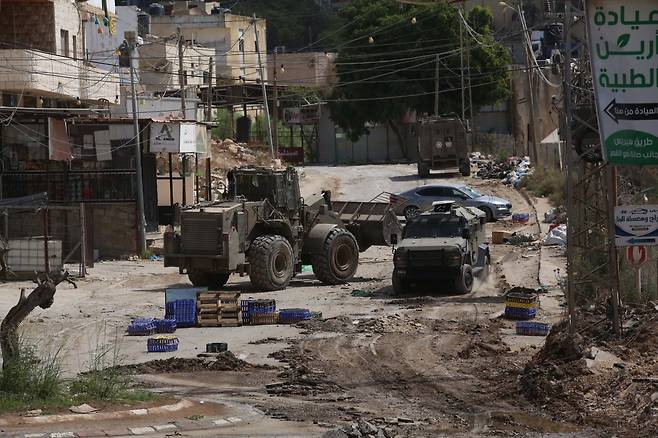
[548,183]
[33,380]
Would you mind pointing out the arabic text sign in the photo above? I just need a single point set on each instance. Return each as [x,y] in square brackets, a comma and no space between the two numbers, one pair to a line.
[624,47]
[173,137]
[636,225]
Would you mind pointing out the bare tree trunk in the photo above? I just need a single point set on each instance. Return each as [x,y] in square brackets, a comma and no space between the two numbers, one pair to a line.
[401,140]
[42,296]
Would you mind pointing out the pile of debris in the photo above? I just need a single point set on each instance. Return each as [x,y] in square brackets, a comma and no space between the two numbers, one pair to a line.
[228,154]
[299,378]
[225,361]
[359,429]
[511,171]
[590,377]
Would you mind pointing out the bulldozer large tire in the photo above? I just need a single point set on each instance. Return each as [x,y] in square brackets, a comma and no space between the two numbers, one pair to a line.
[212,280]
[339,258]
[272,264]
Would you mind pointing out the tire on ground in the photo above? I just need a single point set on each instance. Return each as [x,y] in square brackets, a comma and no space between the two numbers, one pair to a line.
[487,211]
[272,262]
[464,283]
[213,280]
[399,285]
[339,258]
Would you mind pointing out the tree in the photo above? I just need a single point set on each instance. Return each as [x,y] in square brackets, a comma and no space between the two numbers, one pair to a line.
[386,64]
[293,23]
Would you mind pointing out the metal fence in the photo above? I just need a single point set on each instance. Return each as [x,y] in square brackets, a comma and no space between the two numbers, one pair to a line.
[43,239]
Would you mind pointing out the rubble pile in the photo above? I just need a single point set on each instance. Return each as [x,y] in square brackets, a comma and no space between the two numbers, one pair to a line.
[298,378]
[511,171]
[228,154]
[361,428]
[225,361]
[569,379]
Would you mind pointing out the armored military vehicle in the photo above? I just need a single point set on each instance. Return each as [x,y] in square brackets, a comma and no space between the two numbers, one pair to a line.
[442,146]
[265,229]
[447,243]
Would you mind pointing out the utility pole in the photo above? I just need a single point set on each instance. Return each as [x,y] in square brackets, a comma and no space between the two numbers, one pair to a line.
[211,95]
[436,86]
[529,65]
[461,61]
[275,111]
[571,164]
[131,41]
[264,87]
[181,75]
[470,88]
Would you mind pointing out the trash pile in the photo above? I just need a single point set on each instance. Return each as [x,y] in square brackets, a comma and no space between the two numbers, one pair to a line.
[557,236]
[512,171]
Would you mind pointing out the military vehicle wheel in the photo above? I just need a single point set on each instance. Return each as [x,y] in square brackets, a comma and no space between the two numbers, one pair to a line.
[339,259]
[411,212]
[464,283]
[212,280]
[399,285]
[271,260]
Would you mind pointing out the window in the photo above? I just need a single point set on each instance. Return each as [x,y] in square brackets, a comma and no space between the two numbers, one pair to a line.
[241,41]
[433,192]
[64,37]
[74,44]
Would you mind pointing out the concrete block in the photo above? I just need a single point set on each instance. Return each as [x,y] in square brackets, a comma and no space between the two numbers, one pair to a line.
[165,427]
[141,430]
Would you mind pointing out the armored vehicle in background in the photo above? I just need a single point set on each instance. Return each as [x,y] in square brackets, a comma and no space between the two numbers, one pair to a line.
[442,146]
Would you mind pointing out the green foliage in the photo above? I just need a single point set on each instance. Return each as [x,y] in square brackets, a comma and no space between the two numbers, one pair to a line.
[223,129]
[379,69]
[29,378]
[33,380]
[551,183]
[293,23]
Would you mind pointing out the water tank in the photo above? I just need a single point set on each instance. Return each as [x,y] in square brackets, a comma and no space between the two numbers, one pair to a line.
[156,10]
[243,129]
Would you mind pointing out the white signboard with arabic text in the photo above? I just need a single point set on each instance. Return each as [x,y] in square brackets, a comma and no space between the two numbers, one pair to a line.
[624,49]
[636,225]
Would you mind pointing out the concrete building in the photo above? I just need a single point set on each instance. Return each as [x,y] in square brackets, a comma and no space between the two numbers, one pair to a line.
[311,69]
[160,67]
[232,37]
[41,55]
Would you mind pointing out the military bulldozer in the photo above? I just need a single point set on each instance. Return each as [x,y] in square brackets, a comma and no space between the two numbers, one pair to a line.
[265,229]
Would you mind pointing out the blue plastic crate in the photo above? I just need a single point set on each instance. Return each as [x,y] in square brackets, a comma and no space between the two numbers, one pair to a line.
[162,344]
[527,328]
[520,313]
[183,312]
[252,307]
[142,327]
[292,316]
[165,325]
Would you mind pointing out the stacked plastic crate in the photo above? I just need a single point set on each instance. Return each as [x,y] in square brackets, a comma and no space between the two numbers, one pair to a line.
[259,312]
[183,312]
[521,306]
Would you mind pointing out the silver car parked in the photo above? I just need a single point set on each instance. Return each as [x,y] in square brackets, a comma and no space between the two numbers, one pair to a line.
[413,202]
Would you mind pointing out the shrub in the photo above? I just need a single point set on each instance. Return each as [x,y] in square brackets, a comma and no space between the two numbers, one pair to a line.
[549,183]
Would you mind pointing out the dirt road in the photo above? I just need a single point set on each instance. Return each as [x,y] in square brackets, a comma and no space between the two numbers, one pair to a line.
[420,365]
